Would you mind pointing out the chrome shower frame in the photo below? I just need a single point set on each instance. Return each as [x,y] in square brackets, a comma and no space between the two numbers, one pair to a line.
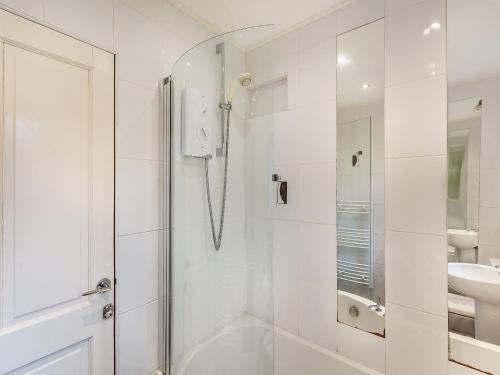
[167,99]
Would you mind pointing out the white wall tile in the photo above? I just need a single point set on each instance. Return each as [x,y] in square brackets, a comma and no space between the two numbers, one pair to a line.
[317,193]
[153,9]
[489,231]
[456,369]
[418,265]
[317,132]
[379,219]
[410,54]
[318,314]
[146,50]
[392,6]
[190,204]
[318,31]
[489,195]
[486,252]
[416,117]
[138,128]
[417,342]
[139,269]
[379,248]
[362,347]
[182,24]
[138,335]
[283,46]
[166,14]
[91,20]
[287,131]
[358,14]
[138,196]
[490,158]
[416,201]
[377,188]
[33,8]
[318,253]
[286,249]
[316,74]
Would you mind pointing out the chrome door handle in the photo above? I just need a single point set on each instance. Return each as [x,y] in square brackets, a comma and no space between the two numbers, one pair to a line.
[103,286]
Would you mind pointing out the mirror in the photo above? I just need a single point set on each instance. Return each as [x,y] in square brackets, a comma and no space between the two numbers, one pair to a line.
[360,178]
[473,217]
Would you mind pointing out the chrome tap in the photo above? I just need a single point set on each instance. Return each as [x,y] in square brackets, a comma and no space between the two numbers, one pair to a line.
[378,305]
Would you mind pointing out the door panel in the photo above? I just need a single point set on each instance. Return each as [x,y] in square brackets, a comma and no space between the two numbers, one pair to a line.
[74,360]
[57,237]
[46,182]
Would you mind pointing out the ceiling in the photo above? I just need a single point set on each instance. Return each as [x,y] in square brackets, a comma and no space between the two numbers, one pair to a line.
[464,110]
[473,40]
[227,15]
[473,32]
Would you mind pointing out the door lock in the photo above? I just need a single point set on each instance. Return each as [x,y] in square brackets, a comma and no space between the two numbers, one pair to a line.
[107,311]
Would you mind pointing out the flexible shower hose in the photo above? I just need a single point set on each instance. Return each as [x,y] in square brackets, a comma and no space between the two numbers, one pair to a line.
[217,239]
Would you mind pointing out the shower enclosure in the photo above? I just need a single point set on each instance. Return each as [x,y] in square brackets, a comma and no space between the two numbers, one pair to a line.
[220,195]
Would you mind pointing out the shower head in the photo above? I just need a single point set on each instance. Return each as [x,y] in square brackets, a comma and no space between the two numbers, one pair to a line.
[244,80]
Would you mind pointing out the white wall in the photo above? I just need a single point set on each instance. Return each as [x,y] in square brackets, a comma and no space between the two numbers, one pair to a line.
[415,183]
[148,37]
[304,154]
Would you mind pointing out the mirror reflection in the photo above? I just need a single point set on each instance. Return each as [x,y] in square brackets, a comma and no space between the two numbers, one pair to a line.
[360,178]
[473,219]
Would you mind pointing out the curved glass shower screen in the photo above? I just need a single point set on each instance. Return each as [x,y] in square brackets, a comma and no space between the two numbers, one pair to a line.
[220,203]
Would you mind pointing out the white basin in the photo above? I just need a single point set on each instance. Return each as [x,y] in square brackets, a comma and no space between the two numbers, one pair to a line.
[483,284]
[463,239]
[476,281]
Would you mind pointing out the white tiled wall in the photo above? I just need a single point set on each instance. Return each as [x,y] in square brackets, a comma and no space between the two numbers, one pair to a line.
[416,188]
[148,37]
[304,154]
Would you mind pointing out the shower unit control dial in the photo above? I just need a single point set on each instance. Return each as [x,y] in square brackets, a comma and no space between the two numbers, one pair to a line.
[196,120]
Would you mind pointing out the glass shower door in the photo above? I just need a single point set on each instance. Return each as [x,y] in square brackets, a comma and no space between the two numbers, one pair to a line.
[220,311]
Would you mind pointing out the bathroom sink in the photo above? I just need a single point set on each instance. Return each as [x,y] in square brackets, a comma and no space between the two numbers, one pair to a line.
[476,281]
[463,239]
[483,284]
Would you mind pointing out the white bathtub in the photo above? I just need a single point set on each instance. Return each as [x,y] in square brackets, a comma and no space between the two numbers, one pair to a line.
[250,346]
[367,319]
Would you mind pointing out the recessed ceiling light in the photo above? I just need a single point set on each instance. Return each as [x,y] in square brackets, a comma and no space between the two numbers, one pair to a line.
[432,66]
[435,26]
[343,60]
[188,64]
[365,86]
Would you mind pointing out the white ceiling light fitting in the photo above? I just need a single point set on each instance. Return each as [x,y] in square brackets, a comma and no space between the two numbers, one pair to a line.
[433,26]
[343,60]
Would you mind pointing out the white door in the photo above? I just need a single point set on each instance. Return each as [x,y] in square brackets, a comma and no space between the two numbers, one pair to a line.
[57,199]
